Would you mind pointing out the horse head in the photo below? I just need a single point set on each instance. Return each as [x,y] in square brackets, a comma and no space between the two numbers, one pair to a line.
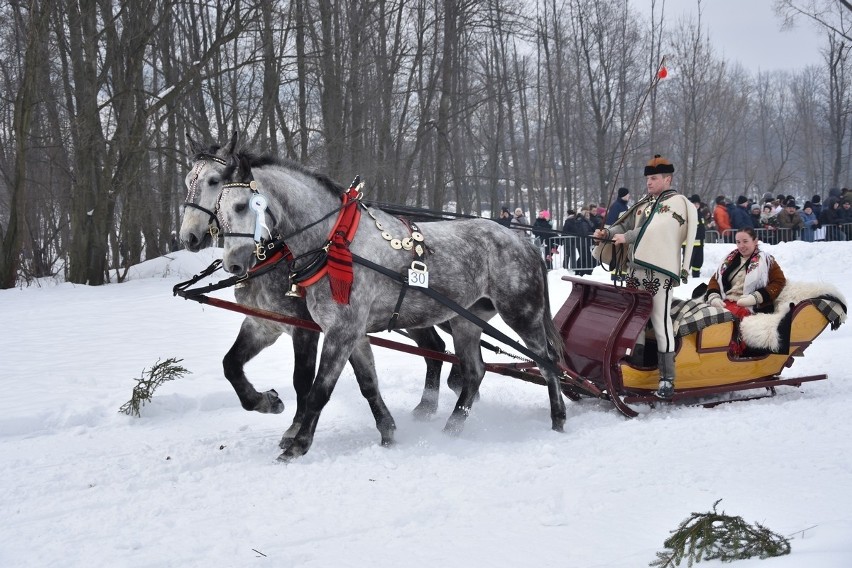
[199,226]
[266,197]
[244,215]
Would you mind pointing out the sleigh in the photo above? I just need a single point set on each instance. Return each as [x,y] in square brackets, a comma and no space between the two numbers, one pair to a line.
[601,325]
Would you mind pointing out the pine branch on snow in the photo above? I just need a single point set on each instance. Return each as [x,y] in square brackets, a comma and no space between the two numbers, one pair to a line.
[160,372]
[717,536]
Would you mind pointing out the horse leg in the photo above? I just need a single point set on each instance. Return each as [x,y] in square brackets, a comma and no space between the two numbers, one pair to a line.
[364,367]
[428,338]
[466,341]
[455,380]
[336,348]
[537,334]
[304,367]
[251,340]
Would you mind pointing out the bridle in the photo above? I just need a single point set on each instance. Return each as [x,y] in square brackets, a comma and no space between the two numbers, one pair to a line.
[260,205]
[213,226]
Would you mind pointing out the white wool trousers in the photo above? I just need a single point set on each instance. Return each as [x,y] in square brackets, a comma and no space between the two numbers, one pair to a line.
[660,288]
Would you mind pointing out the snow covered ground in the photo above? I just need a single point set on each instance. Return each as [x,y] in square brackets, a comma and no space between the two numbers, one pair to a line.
[194,481]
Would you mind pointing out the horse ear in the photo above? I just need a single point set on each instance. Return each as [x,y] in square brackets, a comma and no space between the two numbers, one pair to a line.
[245,169]
[232,144]
[194,146]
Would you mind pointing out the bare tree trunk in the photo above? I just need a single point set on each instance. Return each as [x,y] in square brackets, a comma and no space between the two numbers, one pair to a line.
[449,49]
[91,205]
[25,102]
[271,78]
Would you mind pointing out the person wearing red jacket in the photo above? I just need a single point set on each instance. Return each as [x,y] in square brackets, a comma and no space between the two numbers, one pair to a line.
[721,217]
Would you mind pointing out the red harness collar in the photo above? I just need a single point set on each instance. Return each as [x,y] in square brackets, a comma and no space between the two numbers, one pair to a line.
[338,265]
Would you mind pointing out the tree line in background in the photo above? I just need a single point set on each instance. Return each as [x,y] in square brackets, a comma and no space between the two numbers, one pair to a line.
[462,105]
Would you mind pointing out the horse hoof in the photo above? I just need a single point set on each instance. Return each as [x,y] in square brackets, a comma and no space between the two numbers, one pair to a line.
[289,435]
[290,454]
[270,403]
[424,411]
[559,426]
[454,427]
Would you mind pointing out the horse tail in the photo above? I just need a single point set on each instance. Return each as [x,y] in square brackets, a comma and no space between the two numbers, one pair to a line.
[555,345]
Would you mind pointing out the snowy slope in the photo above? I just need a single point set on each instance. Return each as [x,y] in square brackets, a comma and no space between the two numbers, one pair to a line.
[194,481]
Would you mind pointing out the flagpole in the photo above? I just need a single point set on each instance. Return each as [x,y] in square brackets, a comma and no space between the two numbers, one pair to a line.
[661,73]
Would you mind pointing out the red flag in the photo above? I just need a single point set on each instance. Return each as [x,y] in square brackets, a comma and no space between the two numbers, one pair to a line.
[662,73]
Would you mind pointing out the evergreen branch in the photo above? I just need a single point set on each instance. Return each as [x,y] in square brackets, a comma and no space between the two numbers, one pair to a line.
[160,372]
[717,536]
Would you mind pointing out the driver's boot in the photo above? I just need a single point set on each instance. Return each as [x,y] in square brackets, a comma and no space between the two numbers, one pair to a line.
[666,363]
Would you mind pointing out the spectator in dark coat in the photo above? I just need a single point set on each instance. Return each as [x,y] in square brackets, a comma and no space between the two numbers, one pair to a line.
[569,250]
[755,215]
[830,219]
[543,231]
[816,205]
[697,260]
[618,207]
[505,218]
[595,215]
[740,216]
[584,226]
[846,217]
[846,211]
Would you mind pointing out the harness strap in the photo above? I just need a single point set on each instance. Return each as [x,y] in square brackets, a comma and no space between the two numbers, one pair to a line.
[395,316]
[182,288]
[479,322]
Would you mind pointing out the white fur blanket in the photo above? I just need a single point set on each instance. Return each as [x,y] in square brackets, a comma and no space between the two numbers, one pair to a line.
[761,331]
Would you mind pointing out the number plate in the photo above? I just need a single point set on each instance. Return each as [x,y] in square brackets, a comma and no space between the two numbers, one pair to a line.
[419,278]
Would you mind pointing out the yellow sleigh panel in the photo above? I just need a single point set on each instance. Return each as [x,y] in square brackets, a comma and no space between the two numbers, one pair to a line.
[703,359]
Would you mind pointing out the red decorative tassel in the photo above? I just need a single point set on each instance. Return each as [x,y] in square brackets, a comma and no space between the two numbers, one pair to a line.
[339,264]
[340,267]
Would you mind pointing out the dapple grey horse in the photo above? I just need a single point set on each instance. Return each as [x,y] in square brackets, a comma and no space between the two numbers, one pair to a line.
[203,184]
[469,262]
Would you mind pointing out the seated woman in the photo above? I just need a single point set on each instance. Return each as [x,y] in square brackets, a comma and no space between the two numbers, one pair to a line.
[748,280]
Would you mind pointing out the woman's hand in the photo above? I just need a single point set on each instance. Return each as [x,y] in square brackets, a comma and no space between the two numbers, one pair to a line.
[747,301]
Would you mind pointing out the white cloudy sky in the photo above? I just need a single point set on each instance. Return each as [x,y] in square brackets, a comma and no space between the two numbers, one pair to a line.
[748,31]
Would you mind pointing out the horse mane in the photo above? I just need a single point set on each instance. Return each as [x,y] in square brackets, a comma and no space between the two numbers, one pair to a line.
[253,160]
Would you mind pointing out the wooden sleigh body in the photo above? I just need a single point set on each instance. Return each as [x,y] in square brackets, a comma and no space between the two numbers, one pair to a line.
[600,325]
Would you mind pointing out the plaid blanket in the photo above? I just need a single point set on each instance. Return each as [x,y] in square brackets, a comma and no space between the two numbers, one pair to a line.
[832,308]
[690,316]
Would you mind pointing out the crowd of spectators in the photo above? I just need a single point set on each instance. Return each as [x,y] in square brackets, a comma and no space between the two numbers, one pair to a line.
[775,218]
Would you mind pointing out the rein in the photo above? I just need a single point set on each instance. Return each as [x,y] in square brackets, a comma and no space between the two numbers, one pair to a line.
[519,370]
